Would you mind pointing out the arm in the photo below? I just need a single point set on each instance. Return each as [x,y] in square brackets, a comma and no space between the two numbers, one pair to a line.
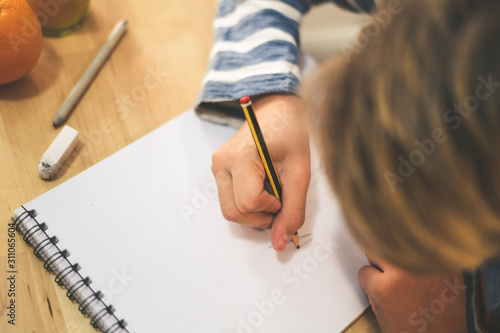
[255,53]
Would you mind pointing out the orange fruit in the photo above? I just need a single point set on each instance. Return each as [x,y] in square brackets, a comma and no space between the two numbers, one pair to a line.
[20,40]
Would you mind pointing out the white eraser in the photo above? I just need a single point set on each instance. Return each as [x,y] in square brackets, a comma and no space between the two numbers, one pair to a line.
[57,153]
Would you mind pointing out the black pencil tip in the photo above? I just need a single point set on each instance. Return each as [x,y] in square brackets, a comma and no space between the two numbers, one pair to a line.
[298,246]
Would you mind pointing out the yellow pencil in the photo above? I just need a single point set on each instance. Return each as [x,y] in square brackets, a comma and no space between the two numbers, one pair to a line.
[258,137]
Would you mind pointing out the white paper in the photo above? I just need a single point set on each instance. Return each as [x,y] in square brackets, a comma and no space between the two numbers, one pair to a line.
[145,225]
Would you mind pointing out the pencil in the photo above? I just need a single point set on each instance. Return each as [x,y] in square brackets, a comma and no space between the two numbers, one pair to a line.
[90,73]
[258,137]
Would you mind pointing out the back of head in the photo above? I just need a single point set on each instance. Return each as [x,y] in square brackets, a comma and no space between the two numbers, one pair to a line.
[409,129]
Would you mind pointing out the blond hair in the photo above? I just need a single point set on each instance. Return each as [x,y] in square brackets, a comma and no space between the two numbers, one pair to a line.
[408,125]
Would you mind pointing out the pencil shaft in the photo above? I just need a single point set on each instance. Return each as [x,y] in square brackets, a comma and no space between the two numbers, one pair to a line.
[90,73]
[271,173]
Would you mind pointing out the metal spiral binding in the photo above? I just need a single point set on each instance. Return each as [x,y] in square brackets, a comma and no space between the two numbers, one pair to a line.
[74,288]
[89,300]
[94,321]
[65,272]
[47,241]
[32,231]
[62,278]
[53,258]
[116,326]
[20,219]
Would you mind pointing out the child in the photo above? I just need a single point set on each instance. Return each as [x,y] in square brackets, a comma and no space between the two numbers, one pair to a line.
[409,131]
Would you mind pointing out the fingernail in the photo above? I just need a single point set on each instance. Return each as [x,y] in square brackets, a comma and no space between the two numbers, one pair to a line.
[283,241]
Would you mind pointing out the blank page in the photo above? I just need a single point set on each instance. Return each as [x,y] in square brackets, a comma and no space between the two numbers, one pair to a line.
[145,225]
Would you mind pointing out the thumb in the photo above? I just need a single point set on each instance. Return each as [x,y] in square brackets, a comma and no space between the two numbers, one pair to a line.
[292,214]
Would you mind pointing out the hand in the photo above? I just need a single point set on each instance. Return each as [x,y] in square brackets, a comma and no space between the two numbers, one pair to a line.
[240,174]
[405,303]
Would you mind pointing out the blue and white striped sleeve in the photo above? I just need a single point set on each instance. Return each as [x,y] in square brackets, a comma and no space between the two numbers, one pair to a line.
[255,51]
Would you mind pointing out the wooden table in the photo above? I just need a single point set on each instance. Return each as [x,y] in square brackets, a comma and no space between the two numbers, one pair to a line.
[153,75]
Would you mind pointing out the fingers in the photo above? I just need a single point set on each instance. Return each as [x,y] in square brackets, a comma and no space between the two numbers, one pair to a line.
[249,193]
[249,214]
[368,277]
[375,261]
[291,217]
[240,174]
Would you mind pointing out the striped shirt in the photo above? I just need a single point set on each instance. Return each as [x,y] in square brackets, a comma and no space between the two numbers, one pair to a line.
[256,51]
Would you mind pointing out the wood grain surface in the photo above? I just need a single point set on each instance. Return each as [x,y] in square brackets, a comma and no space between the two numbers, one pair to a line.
[153,75]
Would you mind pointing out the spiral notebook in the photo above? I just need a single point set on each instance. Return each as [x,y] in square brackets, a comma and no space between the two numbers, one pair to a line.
[140,244]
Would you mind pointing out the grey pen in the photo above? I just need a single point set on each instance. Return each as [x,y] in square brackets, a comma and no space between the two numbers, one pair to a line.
[90,73]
